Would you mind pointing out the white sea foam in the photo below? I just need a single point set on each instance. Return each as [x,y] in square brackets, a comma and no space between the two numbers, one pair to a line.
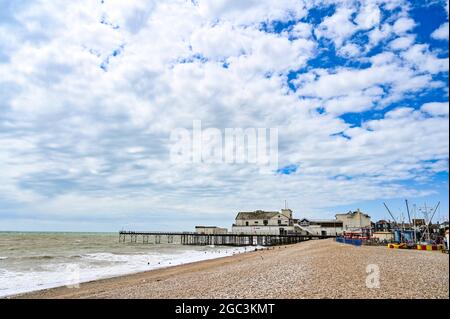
[94,266]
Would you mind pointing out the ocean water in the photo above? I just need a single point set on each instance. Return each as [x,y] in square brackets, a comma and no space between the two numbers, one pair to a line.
[35,261]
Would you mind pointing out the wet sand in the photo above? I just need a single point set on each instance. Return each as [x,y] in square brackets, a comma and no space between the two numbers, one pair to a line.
[313,269]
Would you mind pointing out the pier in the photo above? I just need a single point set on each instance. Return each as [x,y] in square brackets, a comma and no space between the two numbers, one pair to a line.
[230,239]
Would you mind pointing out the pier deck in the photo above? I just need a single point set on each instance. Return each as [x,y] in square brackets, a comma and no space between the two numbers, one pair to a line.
[191,238]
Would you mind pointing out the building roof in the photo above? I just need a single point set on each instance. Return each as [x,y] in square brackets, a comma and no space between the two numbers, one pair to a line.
[207,227]
[259,214]
[320,220]
[354,213]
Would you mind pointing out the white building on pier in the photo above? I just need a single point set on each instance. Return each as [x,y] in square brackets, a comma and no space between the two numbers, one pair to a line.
[261,222]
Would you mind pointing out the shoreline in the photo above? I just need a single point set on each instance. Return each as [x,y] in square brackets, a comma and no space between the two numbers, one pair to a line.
[155,272]
[228,252]
[314,269]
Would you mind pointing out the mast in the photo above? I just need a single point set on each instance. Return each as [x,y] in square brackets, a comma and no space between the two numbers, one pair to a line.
[414,219]
[407,209]
[428,223]
[434,212]
[395,221]
[409,219]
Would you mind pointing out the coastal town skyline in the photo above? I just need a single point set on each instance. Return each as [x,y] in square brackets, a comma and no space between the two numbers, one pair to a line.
[92,92]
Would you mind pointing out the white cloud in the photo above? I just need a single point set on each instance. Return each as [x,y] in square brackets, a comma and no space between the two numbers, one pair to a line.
[355,102]
[90,141]
[349,50]
[369,16]
[403,25]
[402,43]
[441,33]
[251,11]
[347,81]
[419,56]
[386,31]
[302,30]
[337,27]
[436,108]
[222,41]
[378,34]
[383,58]
[253,50]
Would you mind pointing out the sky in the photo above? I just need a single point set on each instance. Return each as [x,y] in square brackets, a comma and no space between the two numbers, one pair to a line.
[90,92]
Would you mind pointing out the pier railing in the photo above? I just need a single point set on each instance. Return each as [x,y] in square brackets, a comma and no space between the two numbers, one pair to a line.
[229,239]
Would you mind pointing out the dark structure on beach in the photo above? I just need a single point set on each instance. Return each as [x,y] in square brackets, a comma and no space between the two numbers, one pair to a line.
[230,239]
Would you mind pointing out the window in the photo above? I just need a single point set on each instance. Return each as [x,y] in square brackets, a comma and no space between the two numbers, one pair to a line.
[256,222]
[246,223]
[265,222]
[304,223]
[279,222]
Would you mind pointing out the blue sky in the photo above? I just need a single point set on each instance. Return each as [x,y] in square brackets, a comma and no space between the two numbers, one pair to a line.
[90,93]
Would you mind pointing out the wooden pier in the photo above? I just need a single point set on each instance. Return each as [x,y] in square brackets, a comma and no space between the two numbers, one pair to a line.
[188,238]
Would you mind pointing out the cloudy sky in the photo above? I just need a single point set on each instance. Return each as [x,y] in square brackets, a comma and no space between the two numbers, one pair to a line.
[90,92]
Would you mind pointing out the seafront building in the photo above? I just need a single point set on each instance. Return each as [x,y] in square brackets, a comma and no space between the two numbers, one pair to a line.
[382,226]
[353,225]
[282,222]
[329,227]
[260,222]
[354,220]
[383,236]
[265,222]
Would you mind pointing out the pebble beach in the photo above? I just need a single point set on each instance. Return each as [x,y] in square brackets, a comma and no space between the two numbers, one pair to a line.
[315,269]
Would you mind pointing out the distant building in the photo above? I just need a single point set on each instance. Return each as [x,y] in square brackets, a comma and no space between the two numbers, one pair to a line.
[331,227]
[261,222]
[382,226]
[265,222]
[354,220]
[210,230]
[383,236]
[418,222]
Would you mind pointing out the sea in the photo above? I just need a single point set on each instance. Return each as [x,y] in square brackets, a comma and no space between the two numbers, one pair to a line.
[31,261]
